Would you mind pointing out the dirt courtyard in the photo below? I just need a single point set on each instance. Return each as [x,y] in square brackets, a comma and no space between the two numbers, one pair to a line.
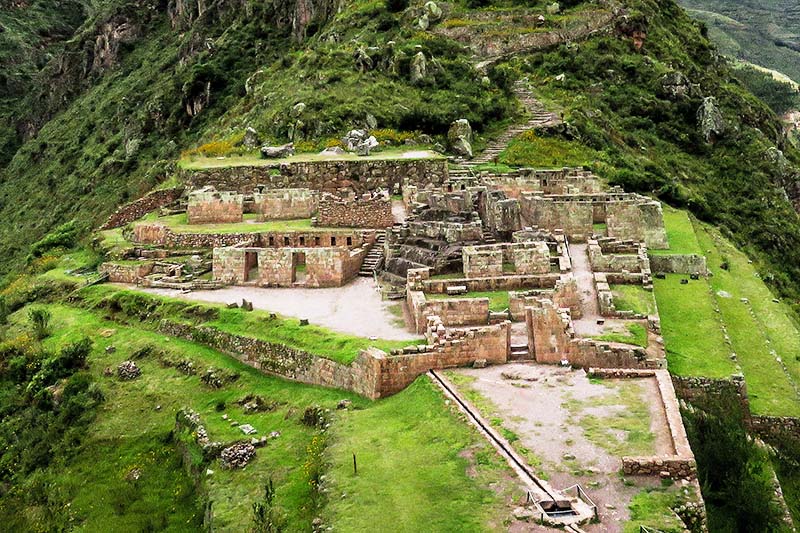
[355,309]
[573,429]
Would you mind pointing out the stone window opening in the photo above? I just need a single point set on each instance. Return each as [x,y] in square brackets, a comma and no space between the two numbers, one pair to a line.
[271,240]
[251,266]
[286,241]
[302,241]
[333,241]
[316,241]
[349,241]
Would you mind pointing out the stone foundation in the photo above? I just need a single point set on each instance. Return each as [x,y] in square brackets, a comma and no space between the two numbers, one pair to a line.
[285,204]
[124,272]
[209,206]
[337,212]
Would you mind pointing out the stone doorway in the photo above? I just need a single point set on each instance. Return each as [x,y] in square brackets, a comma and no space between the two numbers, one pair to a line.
[251,266]
[298,267]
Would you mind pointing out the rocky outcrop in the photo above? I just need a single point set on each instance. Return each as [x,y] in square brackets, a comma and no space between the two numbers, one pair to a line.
[111,34]
[710,120]
[274,152]
[459,137]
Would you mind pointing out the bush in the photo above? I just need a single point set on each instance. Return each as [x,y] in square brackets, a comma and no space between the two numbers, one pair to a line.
[40,322]
[64,236]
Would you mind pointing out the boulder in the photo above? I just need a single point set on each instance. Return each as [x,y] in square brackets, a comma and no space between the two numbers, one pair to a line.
[710,120]
[371,121]
[251,139]
[365,146]
[675,86]
[553,8]
[352,139]
[419,68]
[433,11]
[332,151]
[273,152]
[459,137]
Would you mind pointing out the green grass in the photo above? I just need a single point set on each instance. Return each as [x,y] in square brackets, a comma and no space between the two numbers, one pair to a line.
[653,508]
[691,328]
[625,428]
[137,416]
[680,233]
[756,328]
[414,455]
[529,149]
[316,340]
[498,300]
[494,168]
[180,224]
[633,298]
[600,228]
[637,336]
[200,163]
[452,275]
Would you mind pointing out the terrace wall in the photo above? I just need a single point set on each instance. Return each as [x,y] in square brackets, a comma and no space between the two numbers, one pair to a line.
[374,213]
[125,273]
[214,207]
[362,175]
[679,264]
[139,208]
[285,204]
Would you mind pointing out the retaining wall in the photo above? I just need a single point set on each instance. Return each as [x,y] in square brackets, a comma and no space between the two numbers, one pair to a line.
[139,208]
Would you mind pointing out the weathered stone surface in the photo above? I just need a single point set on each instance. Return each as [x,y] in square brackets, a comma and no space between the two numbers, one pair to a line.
[710,120]
[251,139]
[419,68]
[374,212]
[364,147]
[459,137]
[285,204]
[276,152]
[432,10]
[128,370]
[675,85]
[209,206]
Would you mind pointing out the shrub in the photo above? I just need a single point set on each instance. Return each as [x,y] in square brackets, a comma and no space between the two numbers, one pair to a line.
[64,236]
[40,322]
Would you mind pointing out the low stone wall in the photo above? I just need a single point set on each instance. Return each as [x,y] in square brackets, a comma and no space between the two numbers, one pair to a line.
[565,295]
[704,392]
[453,311]
[776,430]
[361,175]
[487,261]
[125,273]
[336,212]
[679,264]
[503,283]
[161,235]
[139,208]
[285,204]
[447,231]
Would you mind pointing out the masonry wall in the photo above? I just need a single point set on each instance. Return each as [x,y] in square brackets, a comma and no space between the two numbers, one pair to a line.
[452,311]
[574,217]
[359,213]
[125,273]
[139,208]
[447,231]
[679,264]
[285,204]
[640,220]
[361,175]
[565,295]
[214,207]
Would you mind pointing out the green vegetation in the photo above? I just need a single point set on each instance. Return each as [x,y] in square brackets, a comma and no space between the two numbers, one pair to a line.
[146,309]
[625,431]
[691,328]
[633,298]
[440,470]
[180,224]
[654,508]
[407,153]
[734,471]
[680,233]
[498,300]
[781,96]
[637,335]
[531,149]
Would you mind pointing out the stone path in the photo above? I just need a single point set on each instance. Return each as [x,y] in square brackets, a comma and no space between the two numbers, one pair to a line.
[539,118]
[534,406]
[582,271]
[355,309]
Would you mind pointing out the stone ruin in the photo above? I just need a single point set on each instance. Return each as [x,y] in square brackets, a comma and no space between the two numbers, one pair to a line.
[209,206]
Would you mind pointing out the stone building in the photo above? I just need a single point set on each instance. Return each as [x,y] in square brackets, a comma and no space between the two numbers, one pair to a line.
[209,206]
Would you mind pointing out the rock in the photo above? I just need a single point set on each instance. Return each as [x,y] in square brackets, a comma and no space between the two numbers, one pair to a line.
[362,60]
[237,455]
[419,68]
[553,8]
[364,147]
[675,86]
[274,434]
[353,138]
[333,151]
[433,11]
[439,147]
[247,306]
[303,321]
[111,349]
[479,363]
[561,77]
[459,136]
[247,429]
[344,404]
[710,120]
[128,370]
[523,513]
[298,109]
[371,121]
[273,152]
[251,139]
[423,22]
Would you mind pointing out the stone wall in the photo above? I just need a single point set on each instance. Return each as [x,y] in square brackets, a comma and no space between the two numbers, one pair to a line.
[616,262]
[639,219]
[575,217]
[565,295]
[776,430]
[208,206]
[125,272]
[285,204]
[489,260]
[453,311]
[139,208]
[679,264]
[360,175]
[287,267]
[161,235]
[705,393]
[358,213]
[447,231]
[561,181]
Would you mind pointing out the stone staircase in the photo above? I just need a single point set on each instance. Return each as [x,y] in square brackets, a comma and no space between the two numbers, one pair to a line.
[374,257]
[519,352]
[539,118]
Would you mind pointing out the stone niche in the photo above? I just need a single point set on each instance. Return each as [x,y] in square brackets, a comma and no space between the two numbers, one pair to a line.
[287,267]
[285,204]
[209,206]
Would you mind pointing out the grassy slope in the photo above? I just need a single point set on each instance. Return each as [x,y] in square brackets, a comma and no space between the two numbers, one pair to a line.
[413,453]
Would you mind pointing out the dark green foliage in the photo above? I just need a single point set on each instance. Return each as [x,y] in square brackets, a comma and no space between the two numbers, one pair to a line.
[734,472]
[63,237]
[267,518]
[779,96]
[396,6]
[40,322]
